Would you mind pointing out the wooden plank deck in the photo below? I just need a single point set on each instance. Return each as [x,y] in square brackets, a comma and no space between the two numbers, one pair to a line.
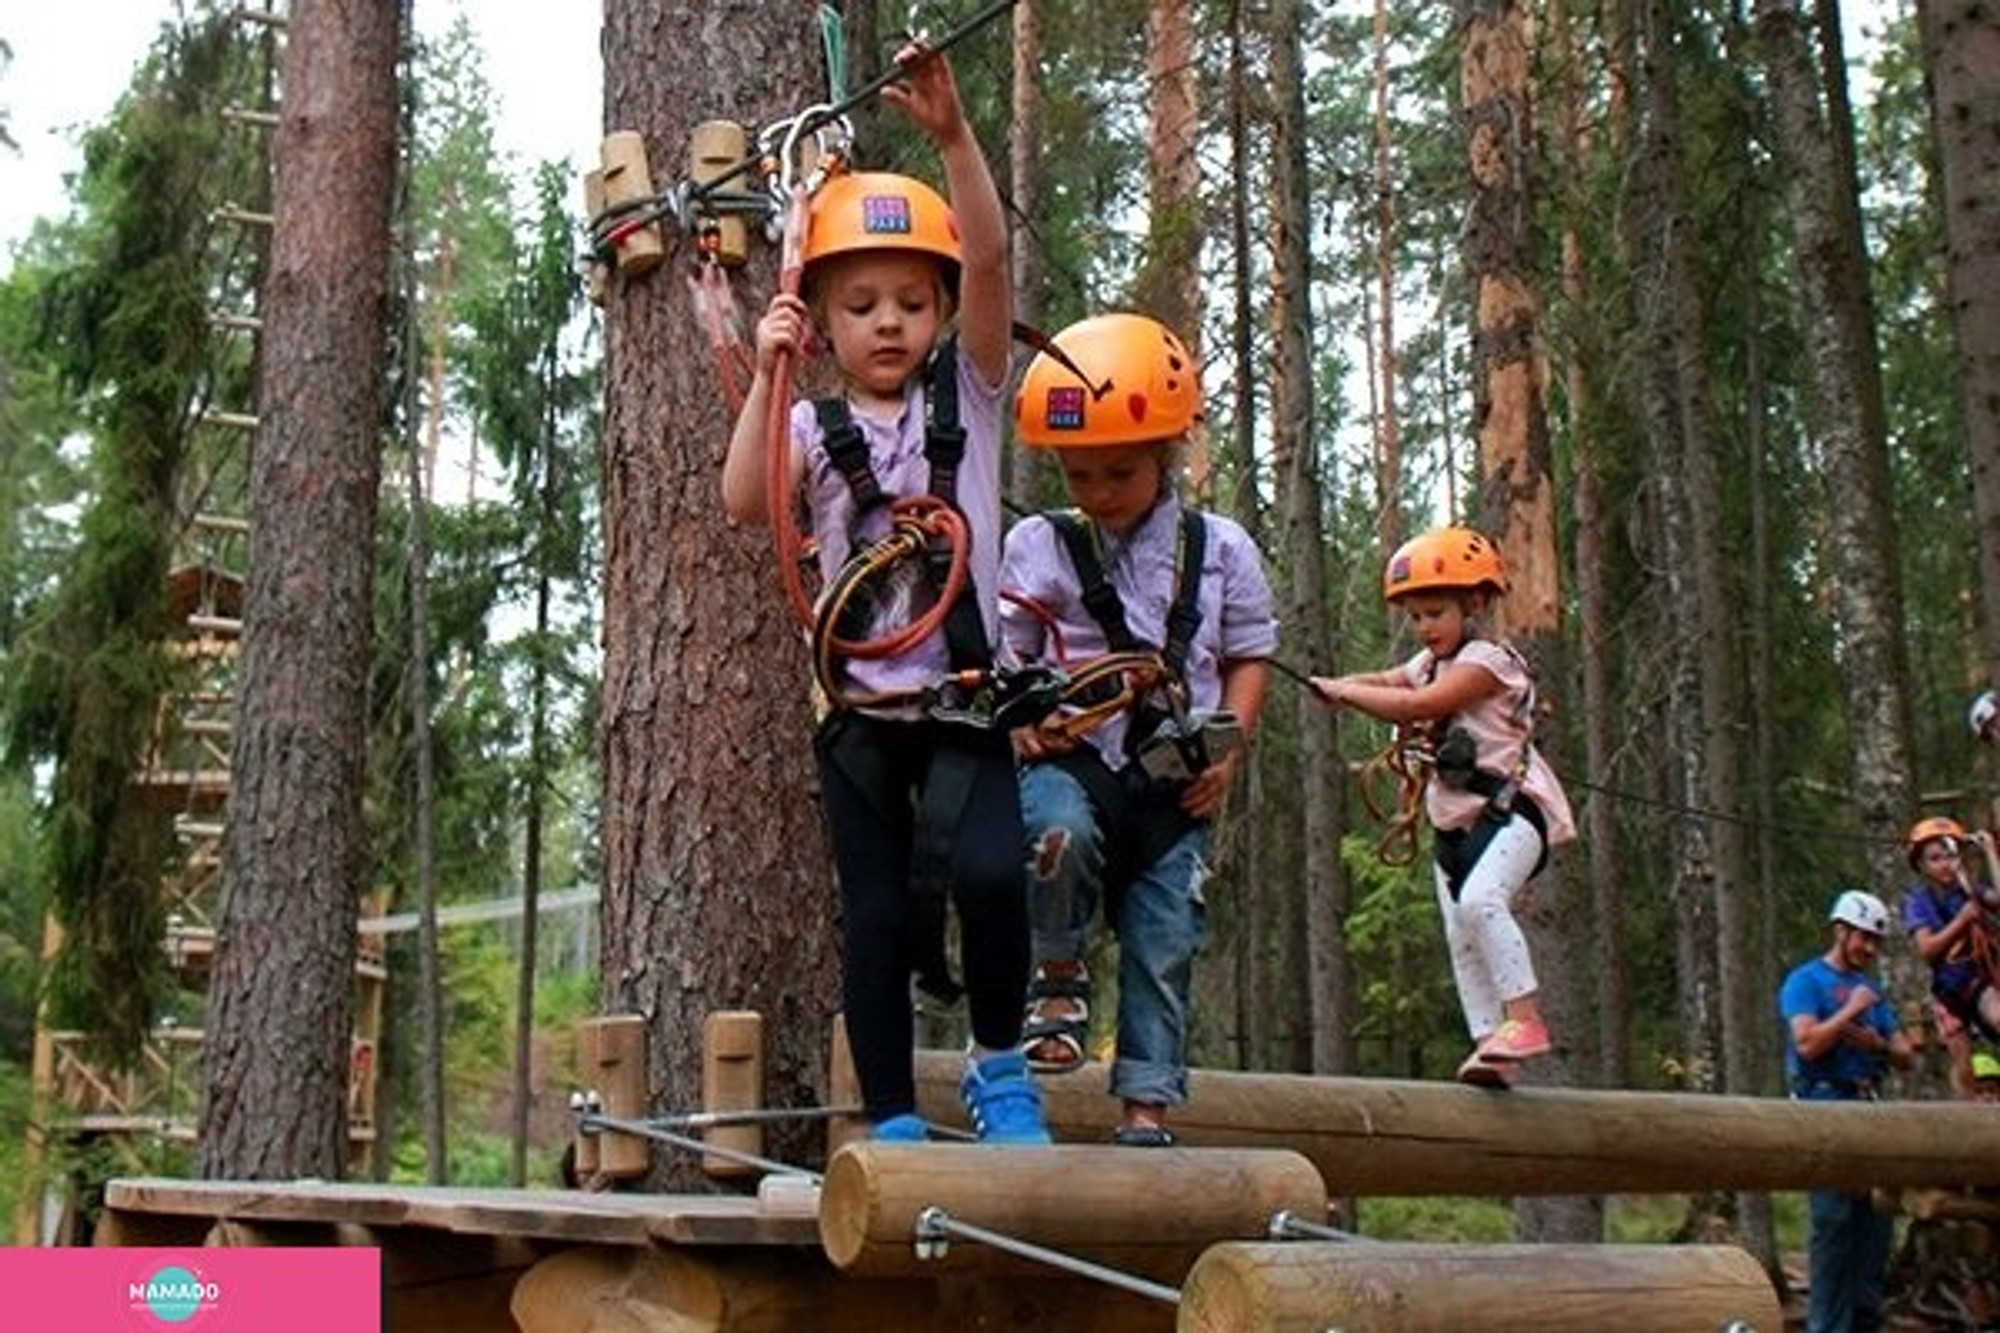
[563,1216]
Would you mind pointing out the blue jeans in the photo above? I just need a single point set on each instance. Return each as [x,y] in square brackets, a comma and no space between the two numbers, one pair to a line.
[1159,917]
[1849,1254]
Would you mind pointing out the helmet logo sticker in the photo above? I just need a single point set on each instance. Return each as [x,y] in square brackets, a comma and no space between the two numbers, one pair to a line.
[1399,569]
[885,215]
[1065,407]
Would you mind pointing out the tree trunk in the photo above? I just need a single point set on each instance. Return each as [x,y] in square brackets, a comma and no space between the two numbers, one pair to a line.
[1858,542]
[1517,494]
[1169,282]
[718,891]
[276,1055]
[1572,153]
[1028,469]
[1322,883]
[1387,433]
[1961,53]
[1712,858]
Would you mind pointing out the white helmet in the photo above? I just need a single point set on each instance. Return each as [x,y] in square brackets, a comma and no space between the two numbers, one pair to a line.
[1984,709]
[1861,910]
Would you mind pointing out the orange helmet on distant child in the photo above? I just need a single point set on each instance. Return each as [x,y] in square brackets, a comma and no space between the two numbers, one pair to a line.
[1444,560]
[1109,380]
[1930,830]
[879,210]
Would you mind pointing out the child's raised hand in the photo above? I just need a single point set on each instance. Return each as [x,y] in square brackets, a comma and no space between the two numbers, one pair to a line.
[927,93]
[1326,689]
[782,329]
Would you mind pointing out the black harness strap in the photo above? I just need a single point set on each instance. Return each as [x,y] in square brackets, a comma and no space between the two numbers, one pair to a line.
[848,452]
[1143,818]
[1101,600]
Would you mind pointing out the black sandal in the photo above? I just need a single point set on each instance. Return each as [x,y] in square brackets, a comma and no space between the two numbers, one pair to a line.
[1143,1136]
[1065,1032]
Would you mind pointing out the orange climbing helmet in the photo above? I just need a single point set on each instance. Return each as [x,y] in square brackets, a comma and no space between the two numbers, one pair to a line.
[1109,380]
[1444,560]
[879,210]
[1930,830]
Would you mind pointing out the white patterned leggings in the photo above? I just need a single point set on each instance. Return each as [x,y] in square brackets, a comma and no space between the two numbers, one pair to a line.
[1489,954]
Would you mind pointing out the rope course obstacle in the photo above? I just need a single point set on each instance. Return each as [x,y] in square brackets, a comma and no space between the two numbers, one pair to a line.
[1229,1231]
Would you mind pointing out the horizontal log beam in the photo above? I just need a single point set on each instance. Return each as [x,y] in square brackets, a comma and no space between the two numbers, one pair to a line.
[600,1289]
[1359,1287]
[1402,1137]
[1150,1213]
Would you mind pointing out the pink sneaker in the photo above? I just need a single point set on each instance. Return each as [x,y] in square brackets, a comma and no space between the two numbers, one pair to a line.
[1515,1040]
[1478,1072]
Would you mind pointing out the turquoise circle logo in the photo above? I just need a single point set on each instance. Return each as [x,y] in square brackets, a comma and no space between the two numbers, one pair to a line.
[174,1294]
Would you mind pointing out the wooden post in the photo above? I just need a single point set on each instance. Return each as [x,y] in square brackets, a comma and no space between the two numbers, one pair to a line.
[1364,1287]
[612,1053]
[732,1079]
[1150,1212]
[1400,1137]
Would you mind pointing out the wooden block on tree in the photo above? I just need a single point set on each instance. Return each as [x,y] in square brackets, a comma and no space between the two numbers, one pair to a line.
[1145,1211]
[1365,1287]
[732,1079]
[611,1052]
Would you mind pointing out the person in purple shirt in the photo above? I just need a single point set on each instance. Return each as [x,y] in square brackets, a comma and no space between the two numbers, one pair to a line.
[1119,794]
[917,807]
[1946,922]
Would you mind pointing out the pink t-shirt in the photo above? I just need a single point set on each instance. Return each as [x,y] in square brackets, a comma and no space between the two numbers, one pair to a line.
[1501,725]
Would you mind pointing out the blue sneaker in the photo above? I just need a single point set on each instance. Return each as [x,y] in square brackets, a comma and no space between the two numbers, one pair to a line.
[900,1129]
[1003,1101]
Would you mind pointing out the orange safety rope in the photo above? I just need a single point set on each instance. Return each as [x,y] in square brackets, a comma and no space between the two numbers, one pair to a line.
[708,287]
[1406,761]
[778,424]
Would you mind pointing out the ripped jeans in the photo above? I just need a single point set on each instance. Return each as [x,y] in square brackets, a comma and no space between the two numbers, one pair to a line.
[1160,920]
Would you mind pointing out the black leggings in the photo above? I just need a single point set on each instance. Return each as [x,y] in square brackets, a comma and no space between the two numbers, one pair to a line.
[873,775]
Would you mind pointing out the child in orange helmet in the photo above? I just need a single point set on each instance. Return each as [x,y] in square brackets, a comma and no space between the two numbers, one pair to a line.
[1945,920]
[917,808]
[1493,802]
[1120,815]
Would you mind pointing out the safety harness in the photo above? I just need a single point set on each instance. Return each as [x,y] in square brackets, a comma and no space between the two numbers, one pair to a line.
[1455,763]
[958,751]
[944,450]
[1143,816]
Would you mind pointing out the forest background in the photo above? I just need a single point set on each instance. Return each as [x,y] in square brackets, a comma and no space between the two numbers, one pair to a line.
[1644,290]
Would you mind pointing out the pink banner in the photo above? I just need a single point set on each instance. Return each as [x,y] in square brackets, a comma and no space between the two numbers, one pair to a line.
[246,1290]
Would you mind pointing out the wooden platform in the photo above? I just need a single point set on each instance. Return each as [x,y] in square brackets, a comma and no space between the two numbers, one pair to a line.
[189,1208]
[457,1260]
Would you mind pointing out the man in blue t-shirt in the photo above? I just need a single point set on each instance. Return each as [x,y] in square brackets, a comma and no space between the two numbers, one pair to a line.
[1843,1036]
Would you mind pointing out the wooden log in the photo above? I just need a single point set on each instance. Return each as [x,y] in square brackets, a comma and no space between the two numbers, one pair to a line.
[1391,1137]
[1148,1212]
[599,1289]
[1362,1287]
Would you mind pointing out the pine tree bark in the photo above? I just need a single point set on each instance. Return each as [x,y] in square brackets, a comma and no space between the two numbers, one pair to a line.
[280,1011]
[1961,54]
[718,891]
[1858,543]
[1516,503]
[1322,882]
